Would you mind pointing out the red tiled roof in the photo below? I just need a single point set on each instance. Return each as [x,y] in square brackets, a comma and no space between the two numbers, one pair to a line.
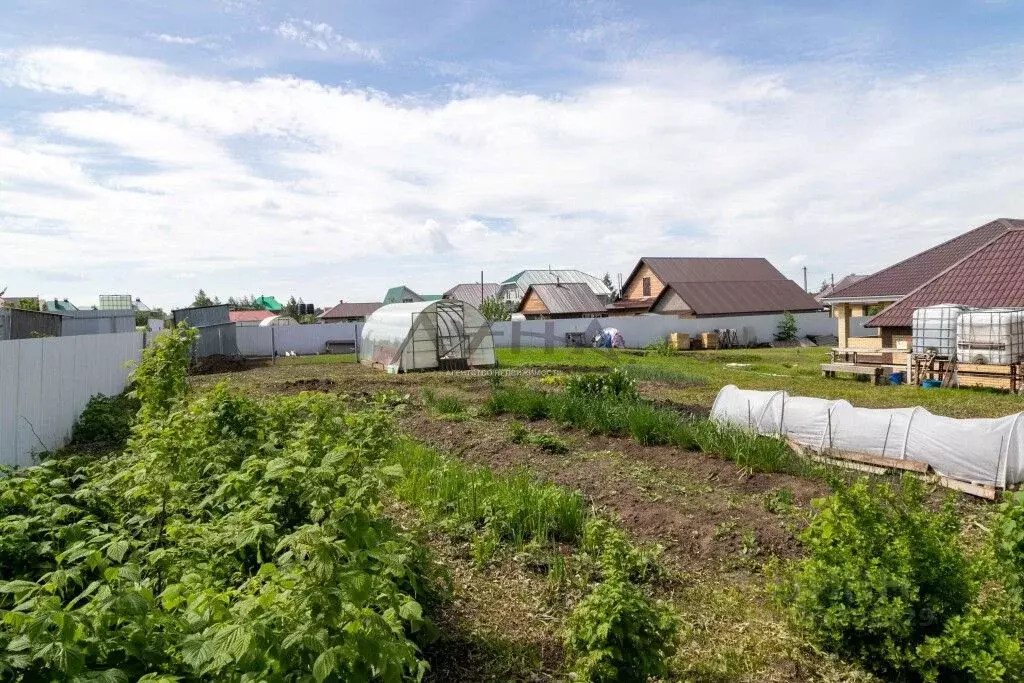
[249,316]
[743,298]
[351,310]
[909,274]
[991,277]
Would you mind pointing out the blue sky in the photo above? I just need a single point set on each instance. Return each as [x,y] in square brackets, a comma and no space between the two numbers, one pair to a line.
[332,149]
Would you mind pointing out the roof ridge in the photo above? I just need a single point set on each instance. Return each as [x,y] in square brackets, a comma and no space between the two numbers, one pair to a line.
[1001,221]
[941,273]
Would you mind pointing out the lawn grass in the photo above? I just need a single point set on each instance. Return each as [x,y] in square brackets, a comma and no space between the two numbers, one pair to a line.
[796,371]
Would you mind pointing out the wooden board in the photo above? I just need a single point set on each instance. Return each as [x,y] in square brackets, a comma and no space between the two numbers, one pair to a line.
[985,369]
[980,490]
[882,461]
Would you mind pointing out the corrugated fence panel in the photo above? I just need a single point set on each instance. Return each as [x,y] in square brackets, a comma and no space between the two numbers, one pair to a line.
[639,331]
[304,340]
[8,399]
[46,383]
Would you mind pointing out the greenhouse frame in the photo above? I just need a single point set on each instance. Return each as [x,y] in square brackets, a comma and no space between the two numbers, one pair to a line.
[427,335]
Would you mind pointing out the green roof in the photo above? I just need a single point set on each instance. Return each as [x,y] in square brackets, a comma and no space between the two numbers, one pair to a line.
[431,297]
[60,306]
[268,303]
[402,293]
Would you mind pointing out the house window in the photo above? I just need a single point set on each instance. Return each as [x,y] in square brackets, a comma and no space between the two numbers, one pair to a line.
[647,286]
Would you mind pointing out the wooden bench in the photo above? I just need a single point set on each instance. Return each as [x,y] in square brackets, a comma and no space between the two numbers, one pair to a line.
[875,372]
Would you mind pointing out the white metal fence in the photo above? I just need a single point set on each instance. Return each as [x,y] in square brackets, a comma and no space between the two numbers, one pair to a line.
[304,340]
[639,331]
[46,383]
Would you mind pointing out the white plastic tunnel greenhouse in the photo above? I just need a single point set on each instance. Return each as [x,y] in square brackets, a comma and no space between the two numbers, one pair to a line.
[978,451]
[427,335]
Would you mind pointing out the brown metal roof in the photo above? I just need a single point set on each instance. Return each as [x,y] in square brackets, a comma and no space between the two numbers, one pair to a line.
[909,274]
[567,297]
[744,298]
[699,269]
[351,310]
[469,292]
[991,277]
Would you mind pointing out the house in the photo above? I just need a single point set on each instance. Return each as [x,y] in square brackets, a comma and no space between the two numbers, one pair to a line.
[843,282]
[401,295]
[249,318]
[547,301]
[348,312]
[473,293]
[513,289]
[59,305]
[697,287]
[980,268]
[268,303]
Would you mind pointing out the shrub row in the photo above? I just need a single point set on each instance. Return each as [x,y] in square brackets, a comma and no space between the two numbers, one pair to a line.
[649,425]
[232,540]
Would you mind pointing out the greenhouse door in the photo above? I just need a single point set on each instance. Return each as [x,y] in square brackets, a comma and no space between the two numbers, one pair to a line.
[452,340]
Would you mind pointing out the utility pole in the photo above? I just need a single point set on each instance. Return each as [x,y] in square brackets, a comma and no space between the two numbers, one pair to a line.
[481,288]
[805,279]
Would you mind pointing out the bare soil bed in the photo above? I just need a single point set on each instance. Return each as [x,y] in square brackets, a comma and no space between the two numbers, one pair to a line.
[698,507]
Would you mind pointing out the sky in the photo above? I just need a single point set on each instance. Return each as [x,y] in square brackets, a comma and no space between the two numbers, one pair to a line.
[330,149]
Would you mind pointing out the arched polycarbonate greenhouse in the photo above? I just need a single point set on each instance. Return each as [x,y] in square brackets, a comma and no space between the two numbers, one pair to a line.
[427,335]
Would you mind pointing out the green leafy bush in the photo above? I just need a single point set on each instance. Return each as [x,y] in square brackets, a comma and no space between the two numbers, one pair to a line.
[233,540]
[615,385]
[660,347]
[883,577]
[106,421]
[617,633]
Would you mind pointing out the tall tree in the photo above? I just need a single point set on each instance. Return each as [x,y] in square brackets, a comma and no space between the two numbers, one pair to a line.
[292,307]
[25,304]
[493,309]
[202,300]
[607,280]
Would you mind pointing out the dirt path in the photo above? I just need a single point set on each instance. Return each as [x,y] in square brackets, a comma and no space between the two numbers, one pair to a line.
[705,511]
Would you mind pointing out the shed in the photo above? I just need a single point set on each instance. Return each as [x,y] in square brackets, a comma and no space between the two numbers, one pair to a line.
[216,331]
[563,300]
[427,335]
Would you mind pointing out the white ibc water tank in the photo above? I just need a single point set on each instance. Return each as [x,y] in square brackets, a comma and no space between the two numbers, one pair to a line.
[934,329]
[991,335]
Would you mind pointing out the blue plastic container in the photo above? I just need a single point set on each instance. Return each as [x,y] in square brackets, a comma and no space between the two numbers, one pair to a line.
[931,383]
[898,378]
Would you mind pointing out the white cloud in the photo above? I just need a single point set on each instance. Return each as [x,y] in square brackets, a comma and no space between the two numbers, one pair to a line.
[143,164]
[322,37]
[174,40]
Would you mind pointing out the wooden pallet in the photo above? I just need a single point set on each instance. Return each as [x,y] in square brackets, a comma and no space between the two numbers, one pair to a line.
[878,465]
[954,374]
